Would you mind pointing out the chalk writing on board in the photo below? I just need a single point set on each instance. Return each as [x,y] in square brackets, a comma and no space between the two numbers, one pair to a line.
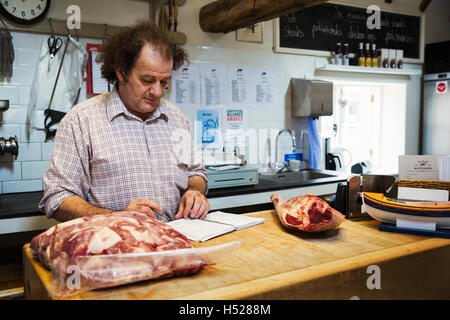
[293,32]
[321,27]
[327,28]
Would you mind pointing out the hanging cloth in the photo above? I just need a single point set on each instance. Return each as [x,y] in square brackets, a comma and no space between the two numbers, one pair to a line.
[6,52]
[314,144]
[62,91]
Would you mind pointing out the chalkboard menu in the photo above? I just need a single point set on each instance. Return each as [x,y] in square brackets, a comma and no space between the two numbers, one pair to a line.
[322,26]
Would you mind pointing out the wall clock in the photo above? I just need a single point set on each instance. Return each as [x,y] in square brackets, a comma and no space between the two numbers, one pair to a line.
[24,11]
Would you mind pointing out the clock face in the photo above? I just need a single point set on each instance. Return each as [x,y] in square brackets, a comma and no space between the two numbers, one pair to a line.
[24,11]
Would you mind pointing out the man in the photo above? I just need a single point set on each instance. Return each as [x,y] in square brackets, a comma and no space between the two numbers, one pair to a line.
[119,151]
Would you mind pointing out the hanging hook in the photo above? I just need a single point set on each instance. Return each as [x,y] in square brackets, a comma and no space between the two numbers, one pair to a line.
[105,33]
[254,14]
[68,32]
[76,33]
[52,31]
[4,24]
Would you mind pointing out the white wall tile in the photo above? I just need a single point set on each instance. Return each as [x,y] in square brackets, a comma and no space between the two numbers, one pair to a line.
[31,136]
[11,171]
[29,152]
[23,75]
[14,115]
[26,57]
[22,186]
[47,149]
[260,114]
[26,40]
[10,93]
[34,169]
[10,130]
[24,95]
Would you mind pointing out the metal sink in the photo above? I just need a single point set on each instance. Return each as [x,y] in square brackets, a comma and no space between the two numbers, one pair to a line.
[299,176]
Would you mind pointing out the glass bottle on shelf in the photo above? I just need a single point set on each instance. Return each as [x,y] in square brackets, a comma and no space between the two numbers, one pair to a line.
[367,56]
[345,55]
[374,62]
[360,60]
[338,54]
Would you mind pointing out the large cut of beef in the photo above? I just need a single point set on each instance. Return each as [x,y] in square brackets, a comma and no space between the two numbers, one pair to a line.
[109,250]
[306,213]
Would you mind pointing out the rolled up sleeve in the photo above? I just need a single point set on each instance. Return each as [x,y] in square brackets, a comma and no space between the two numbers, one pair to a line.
[199,170]
[68,173]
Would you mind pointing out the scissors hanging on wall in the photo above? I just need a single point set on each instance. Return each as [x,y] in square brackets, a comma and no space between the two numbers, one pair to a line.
[54,44]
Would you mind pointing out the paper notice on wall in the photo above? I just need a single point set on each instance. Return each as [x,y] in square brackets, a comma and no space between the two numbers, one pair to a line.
[235,119]
[214,85]
[185,86]
[263,87]
[235,124]
[207,128]
[96,84]
[238,85]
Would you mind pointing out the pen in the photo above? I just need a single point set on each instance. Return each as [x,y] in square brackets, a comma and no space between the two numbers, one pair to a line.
[161,214]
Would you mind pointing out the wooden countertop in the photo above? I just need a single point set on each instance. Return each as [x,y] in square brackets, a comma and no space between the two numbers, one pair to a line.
[276,263]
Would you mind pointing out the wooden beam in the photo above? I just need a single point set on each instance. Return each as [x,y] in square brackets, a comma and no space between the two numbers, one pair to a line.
[423,5]
[229,15]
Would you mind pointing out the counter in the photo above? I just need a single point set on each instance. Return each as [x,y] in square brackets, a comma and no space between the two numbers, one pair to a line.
[276,263]
[19,211]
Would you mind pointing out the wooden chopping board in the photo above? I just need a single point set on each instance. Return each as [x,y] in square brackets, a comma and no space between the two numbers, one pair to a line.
[272,262]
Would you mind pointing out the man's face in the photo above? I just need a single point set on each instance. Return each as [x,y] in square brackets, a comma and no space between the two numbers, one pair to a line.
[146,83]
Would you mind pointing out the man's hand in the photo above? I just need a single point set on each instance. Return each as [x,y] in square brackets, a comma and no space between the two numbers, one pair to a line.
[193,204]
[144,206]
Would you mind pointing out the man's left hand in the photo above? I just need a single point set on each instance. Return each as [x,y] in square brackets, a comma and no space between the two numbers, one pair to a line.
[193,204]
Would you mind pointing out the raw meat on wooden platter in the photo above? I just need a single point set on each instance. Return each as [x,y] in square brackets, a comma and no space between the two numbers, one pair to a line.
[307,213]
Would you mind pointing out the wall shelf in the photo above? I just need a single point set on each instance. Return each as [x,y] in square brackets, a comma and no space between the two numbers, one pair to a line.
[368,70]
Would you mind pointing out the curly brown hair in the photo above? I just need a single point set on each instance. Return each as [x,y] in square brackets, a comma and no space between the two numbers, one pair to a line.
[122,50]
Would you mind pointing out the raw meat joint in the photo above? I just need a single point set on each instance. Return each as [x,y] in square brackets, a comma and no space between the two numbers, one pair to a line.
[95,246]
[307,213]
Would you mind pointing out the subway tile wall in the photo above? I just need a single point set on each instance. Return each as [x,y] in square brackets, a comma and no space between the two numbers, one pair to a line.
[25,174]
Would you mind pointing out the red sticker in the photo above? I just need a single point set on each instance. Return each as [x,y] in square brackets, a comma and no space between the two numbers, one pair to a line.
[441,87]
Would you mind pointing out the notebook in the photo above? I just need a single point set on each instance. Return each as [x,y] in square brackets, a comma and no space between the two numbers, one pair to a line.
[215,224]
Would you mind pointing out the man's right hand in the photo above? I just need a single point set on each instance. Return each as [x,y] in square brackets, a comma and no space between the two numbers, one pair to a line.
[144,206]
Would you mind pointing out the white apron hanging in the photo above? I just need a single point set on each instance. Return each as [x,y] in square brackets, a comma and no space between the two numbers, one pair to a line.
[70,81]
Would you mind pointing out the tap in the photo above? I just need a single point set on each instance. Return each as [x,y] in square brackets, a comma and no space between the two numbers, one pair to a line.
[277,164]
[10,145]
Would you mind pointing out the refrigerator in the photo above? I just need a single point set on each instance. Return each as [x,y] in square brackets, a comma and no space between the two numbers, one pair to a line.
[436,100]
[436,114]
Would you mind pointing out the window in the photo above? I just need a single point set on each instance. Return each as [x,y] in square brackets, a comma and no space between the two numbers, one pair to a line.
[369,121]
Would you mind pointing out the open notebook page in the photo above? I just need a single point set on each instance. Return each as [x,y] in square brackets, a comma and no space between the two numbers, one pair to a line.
[215,224]
[239,221]
[200,230]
